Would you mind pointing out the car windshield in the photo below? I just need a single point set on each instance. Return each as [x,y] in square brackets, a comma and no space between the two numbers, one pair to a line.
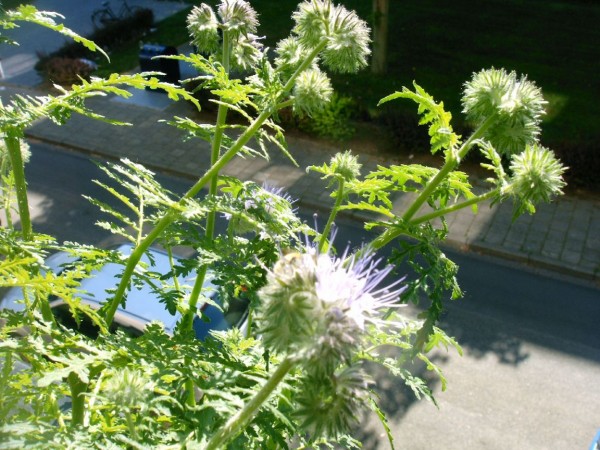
[214,319]
[143,305]
[85,326]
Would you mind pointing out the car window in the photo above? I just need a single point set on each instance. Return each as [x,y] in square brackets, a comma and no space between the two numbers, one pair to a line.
[215,319]
[86,326]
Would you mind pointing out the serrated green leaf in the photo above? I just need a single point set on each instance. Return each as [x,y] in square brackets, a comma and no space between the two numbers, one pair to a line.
[432,114]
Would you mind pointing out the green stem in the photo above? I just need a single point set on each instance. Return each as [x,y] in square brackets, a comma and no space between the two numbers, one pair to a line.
[236,423]
[187,321]
[338,202]
[392,233]
[111,307]
[140,219]
[131,425]
[6,197]
[13,146]
[172,267]
[285,104]
[448,166]
[210,218]
[218,138]
[77,388]
[445,211]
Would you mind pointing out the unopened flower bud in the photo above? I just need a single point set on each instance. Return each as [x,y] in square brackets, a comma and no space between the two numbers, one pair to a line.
[238,17]
[290,53]
[246,51]
[346,165]
[329,405]
[348,42]
[203,27]
[514,104]
[310,18]
[312,91]
[536,175]
[127,388]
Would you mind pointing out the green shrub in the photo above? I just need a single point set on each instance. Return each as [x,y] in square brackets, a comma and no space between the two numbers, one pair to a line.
[333,120]
[67,71]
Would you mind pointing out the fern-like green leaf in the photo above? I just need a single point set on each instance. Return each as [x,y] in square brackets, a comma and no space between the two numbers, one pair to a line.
[432,114]
[29,13]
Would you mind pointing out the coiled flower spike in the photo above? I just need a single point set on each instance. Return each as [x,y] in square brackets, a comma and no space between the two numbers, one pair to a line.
[319,306]
[347,36]
[203,27]
[348,42]
[312,91]
[238,17]
[514,106]
[310,18]
[536,177]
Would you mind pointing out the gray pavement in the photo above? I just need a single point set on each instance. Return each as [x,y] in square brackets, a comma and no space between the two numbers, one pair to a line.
[563,236]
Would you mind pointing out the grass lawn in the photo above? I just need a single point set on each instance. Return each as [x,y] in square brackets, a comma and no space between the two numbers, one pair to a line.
[440,44]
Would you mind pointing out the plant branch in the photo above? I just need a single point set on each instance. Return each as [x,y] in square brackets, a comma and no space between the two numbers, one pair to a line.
[338,201]
[111,307]
[187,320]
[13,146]
[442,212]
[448,167]
[236,423]
[77,388]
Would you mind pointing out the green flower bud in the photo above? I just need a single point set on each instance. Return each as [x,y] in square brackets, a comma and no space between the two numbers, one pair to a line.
[127,388]
[348,42]
[536,177]
[290,53]
[515,104]
[346,165]
[310,18]
[203,27]
[238,17]
[329,405]
[290,307]
[246,51]
[312,91]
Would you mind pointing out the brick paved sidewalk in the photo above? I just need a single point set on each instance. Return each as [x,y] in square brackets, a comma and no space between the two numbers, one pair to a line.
[563,236]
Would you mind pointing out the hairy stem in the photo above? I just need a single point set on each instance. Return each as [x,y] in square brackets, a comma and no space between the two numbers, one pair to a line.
[140,219]
[13,146]
[392,233]
[131,425]
[237,423]
[442,212]
[338,202]
[111,307]
[188,319]
[77,388]
[448,167]
[7,194]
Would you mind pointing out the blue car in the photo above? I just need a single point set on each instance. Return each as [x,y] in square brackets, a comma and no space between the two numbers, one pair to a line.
[142,305]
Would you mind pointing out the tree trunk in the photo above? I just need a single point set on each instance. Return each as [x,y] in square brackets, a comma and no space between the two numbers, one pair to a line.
[380,36]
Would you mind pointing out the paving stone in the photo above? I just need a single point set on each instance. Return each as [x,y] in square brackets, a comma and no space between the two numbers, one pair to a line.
[571,257]
[564,233]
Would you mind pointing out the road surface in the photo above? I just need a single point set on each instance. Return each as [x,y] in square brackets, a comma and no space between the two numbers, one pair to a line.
[530,374]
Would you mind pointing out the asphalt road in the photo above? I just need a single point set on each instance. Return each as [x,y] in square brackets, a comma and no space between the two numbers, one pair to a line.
[530,374]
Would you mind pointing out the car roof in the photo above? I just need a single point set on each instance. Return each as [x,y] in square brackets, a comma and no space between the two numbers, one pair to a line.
[142,303]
